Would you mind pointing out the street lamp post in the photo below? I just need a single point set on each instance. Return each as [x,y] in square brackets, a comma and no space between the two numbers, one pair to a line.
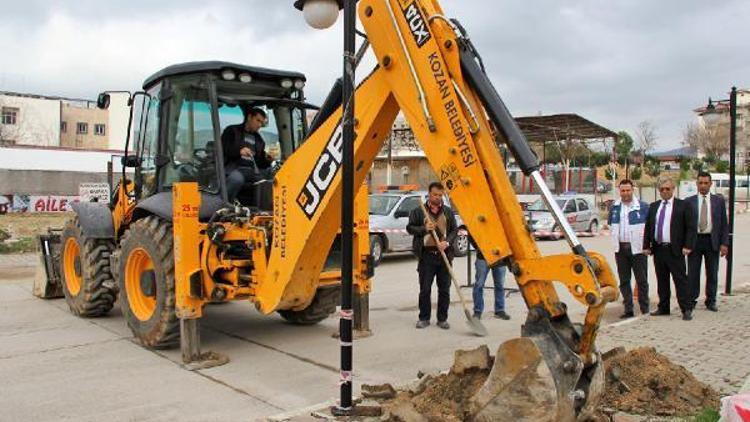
[710,116]
[321,14]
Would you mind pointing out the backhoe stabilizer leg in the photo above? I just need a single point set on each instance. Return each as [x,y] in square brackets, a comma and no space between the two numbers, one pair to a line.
[190,345]
[361,306]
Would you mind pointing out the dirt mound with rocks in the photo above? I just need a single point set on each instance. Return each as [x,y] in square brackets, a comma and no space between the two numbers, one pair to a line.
[640,381]
[645,382]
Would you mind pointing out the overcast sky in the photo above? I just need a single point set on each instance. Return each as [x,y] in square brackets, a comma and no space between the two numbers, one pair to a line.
[616,63]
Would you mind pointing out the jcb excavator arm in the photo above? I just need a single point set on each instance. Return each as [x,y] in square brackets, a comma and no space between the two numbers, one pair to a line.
[430,71]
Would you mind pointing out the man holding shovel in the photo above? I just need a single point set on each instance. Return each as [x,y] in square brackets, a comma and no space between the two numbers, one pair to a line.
[442,221]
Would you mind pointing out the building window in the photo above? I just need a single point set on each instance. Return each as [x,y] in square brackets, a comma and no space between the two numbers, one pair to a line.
[82,128]
[99,129]
[10,115]
[63,127]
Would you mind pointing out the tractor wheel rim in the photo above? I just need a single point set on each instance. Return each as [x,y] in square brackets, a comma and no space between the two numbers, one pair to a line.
[71,256]
[141,305]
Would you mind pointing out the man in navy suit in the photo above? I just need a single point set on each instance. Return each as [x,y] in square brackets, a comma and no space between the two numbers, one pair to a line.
[670,237]
[712,241]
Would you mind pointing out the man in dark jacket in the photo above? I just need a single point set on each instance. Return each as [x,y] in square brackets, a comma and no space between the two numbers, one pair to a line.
[670,236]
[245,158]
[431,266]
[713,240]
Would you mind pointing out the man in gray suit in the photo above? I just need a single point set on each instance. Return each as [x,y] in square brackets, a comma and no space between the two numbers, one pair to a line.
[713,240]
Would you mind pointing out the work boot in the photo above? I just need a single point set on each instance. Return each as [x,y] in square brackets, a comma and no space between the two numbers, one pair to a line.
[659,312]
[712,307]
[687,315]
[502,315]
[422,323]
[444,325]
[627,314]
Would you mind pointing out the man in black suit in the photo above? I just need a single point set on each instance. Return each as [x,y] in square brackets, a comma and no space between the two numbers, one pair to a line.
[712,241]
[670,236]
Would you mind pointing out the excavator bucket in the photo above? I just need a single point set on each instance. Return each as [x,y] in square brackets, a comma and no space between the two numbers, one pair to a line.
[538,377]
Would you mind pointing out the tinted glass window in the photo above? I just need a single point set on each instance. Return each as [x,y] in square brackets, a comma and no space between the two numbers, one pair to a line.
[582,205]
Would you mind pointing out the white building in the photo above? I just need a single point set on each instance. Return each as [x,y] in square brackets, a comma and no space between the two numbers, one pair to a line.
[29,120]
[45,121]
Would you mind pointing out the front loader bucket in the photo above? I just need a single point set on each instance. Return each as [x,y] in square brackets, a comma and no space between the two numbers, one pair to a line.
[47,282]
[538,377]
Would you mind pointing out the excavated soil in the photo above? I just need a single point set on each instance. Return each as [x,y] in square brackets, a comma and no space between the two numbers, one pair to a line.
[446,398]
[645,382]
[641,382]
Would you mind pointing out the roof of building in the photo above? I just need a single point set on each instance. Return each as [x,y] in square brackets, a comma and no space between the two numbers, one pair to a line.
[562,126]
[216,66]
[46,97]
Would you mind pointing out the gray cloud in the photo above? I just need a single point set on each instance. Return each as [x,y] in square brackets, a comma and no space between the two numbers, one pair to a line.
[616,63]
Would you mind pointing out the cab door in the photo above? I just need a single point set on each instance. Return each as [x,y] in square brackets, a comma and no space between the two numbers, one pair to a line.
[570,211]
[583,217]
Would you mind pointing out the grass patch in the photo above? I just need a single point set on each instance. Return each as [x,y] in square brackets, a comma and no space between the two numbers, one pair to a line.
[707,415]
[22,245]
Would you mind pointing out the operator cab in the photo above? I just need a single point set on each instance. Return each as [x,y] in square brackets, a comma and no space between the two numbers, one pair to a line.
[178,119]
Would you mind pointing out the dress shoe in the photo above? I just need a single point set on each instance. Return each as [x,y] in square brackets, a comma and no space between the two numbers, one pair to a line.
[502,315]
[627,315]
[422,323]
[687,315]
[444,325]
[477,315]
[712,307]
[659,312]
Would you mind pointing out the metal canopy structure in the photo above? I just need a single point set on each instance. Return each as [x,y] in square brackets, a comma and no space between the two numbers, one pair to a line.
[558,127]
[538,130]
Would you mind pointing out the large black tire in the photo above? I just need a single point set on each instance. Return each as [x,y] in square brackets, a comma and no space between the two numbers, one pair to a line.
[150,312]
[323,304]
[88,285]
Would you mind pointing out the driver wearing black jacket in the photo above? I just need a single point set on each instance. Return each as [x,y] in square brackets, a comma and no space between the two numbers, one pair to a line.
[245,157]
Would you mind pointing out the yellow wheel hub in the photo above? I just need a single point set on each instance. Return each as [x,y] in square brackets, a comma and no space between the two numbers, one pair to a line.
[140,284]
[72,266]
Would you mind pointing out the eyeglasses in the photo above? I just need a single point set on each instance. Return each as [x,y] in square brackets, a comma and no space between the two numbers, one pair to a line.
[665,189]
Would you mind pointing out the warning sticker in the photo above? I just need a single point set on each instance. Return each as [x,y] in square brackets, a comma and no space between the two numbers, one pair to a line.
[449,175]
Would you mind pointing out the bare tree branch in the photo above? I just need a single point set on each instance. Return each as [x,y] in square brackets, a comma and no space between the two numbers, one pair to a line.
[646,134]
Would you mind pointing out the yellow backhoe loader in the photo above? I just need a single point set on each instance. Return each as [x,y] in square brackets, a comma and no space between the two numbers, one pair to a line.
[169,242]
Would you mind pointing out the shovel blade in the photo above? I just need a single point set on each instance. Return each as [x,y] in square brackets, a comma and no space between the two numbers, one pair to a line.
[475,325]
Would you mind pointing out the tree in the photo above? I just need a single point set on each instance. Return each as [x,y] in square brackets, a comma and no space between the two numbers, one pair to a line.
[624,146]
[646,134]
[697,165]
[722,166]
[710,140]
[636,173]
[653,169]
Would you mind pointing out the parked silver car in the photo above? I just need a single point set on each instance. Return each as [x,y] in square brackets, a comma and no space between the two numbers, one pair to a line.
[579,211]
[389,215]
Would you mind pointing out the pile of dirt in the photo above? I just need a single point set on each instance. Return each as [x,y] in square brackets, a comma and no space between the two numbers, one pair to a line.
[641,382]
[645,382]
[447,396]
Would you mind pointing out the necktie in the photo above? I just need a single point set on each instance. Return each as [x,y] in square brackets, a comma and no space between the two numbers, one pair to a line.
[703,219]
[660,222]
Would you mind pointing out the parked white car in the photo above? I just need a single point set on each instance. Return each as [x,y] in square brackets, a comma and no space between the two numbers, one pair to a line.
[389,215]
[578,210]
